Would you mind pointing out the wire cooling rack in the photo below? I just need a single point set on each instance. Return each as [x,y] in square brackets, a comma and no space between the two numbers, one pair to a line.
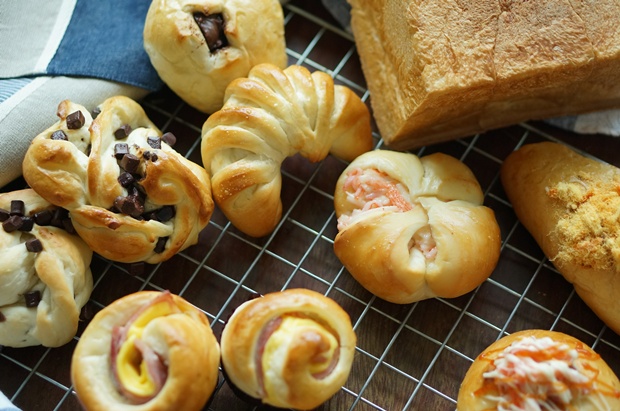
[409,357]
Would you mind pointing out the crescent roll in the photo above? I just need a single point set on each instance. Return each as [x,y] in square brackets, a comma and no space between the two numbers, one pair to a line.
[539,370]
[199,47]
[130,195]
[268,116]
[290,349]
[144,352]
[45,276]
[413,228]
[569,203]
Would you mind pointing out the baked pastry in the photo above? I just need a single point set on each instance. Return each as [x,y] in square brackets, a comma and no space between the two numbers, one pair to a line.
[45,278]
[149,351]
[438,70]
[413,228]
[198,48]
[268,116]
[569,203]
[539,370]
[131,196]
[291,348]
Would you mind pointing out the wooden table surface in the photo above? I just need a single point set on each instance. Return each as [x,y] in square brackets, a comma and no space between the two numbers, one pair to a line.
[408,356]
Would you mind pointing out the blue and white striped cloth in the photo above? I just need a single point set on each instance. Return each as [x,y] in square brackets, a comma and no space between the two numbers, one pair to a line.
[51,50]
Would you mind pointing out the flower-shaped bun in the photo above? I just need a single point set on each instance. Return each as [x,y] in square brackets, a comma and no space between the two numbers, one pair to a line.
[414,228]
[130,195]
[45,276]
[146,351]
[292,348]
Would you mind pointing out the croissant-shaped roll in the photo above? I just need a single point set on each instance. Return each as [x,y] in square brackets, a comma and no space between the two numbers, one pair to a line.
[45,278]
[268,116]
[130,195]
[290,349]
[539,370]
[146,351]
[414,228]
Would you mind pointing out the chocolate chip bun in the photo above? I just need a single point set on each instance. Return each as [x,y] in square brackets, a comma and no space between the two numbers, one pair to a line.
[268,116]
[146,351]
[130,195]
[198,48]
[413,228]
[45,278]
[539,370]
[290,349]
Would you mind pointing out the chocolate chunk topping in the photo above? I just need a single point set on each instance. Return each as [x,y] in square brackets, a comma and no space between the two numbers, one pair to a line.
[132,204]
[34,245]
[18,207]
[4,214]
[130,162]
[126,179]
[169,139]
[75,120]
[60,215]
[27,224]
[43,217]
[154,141]
[59,135]
[136,268]
[161,245]
[13,223]
[67,225]
[2,318]
[120,149]
[212,28]
[163,214]
[123,131]
[33,298]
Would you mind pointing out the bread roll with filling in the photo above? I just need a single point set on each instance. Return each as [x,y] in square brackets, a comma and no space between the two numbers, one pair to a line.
[569,203]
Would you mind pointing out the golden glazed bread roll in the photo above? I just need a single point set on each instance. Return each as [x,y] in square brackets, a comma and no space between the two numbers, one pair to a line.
[535,370]
[268,116]
[144,352]
[199,47]
[130,195]
[569,203]
[413,228]
[440,69]
[45,276]
[291,349]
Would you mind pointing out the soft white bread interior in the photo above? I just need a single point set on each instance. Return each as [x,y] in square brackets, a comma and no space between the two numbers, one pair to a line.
[569,203]
[548,369]
[439,69]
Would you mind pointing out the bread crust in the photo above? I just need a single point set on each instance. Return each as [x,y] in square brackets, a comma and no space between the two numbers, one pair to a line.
[268,116]
[605,396]
[443,243]
[439,70]
[177,48]
[184,340]
[286,378]
[569,202]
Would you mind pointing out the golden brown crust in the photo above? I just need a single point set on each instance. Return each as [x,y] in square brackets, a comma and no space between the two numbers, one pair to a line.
[606,397]
[81,174]
[291,350]
[184,340]
[268,116]
[445,244]
[438,70]
[569,203]
[177,48]
[60,272]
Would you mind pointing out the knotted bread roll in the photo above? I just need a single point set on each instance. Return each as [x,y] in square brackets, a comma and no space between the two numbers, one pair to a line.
[414,228]
[199,47]
[146,351]
[291,349]
[268,116]
[539,370]
[45,276]
[130,195]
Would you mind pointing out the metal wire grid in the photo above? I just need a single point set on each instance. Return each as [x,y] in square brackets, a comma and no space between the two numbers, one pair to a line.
[409,357]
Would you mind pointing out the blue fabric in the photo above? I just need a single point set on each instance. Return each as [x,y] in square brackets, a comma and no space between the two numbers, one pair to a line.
[104,40]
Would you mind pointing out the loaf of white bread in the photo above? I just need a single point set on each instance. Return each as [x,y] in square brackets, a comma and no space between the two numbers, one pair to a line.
[439,70]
